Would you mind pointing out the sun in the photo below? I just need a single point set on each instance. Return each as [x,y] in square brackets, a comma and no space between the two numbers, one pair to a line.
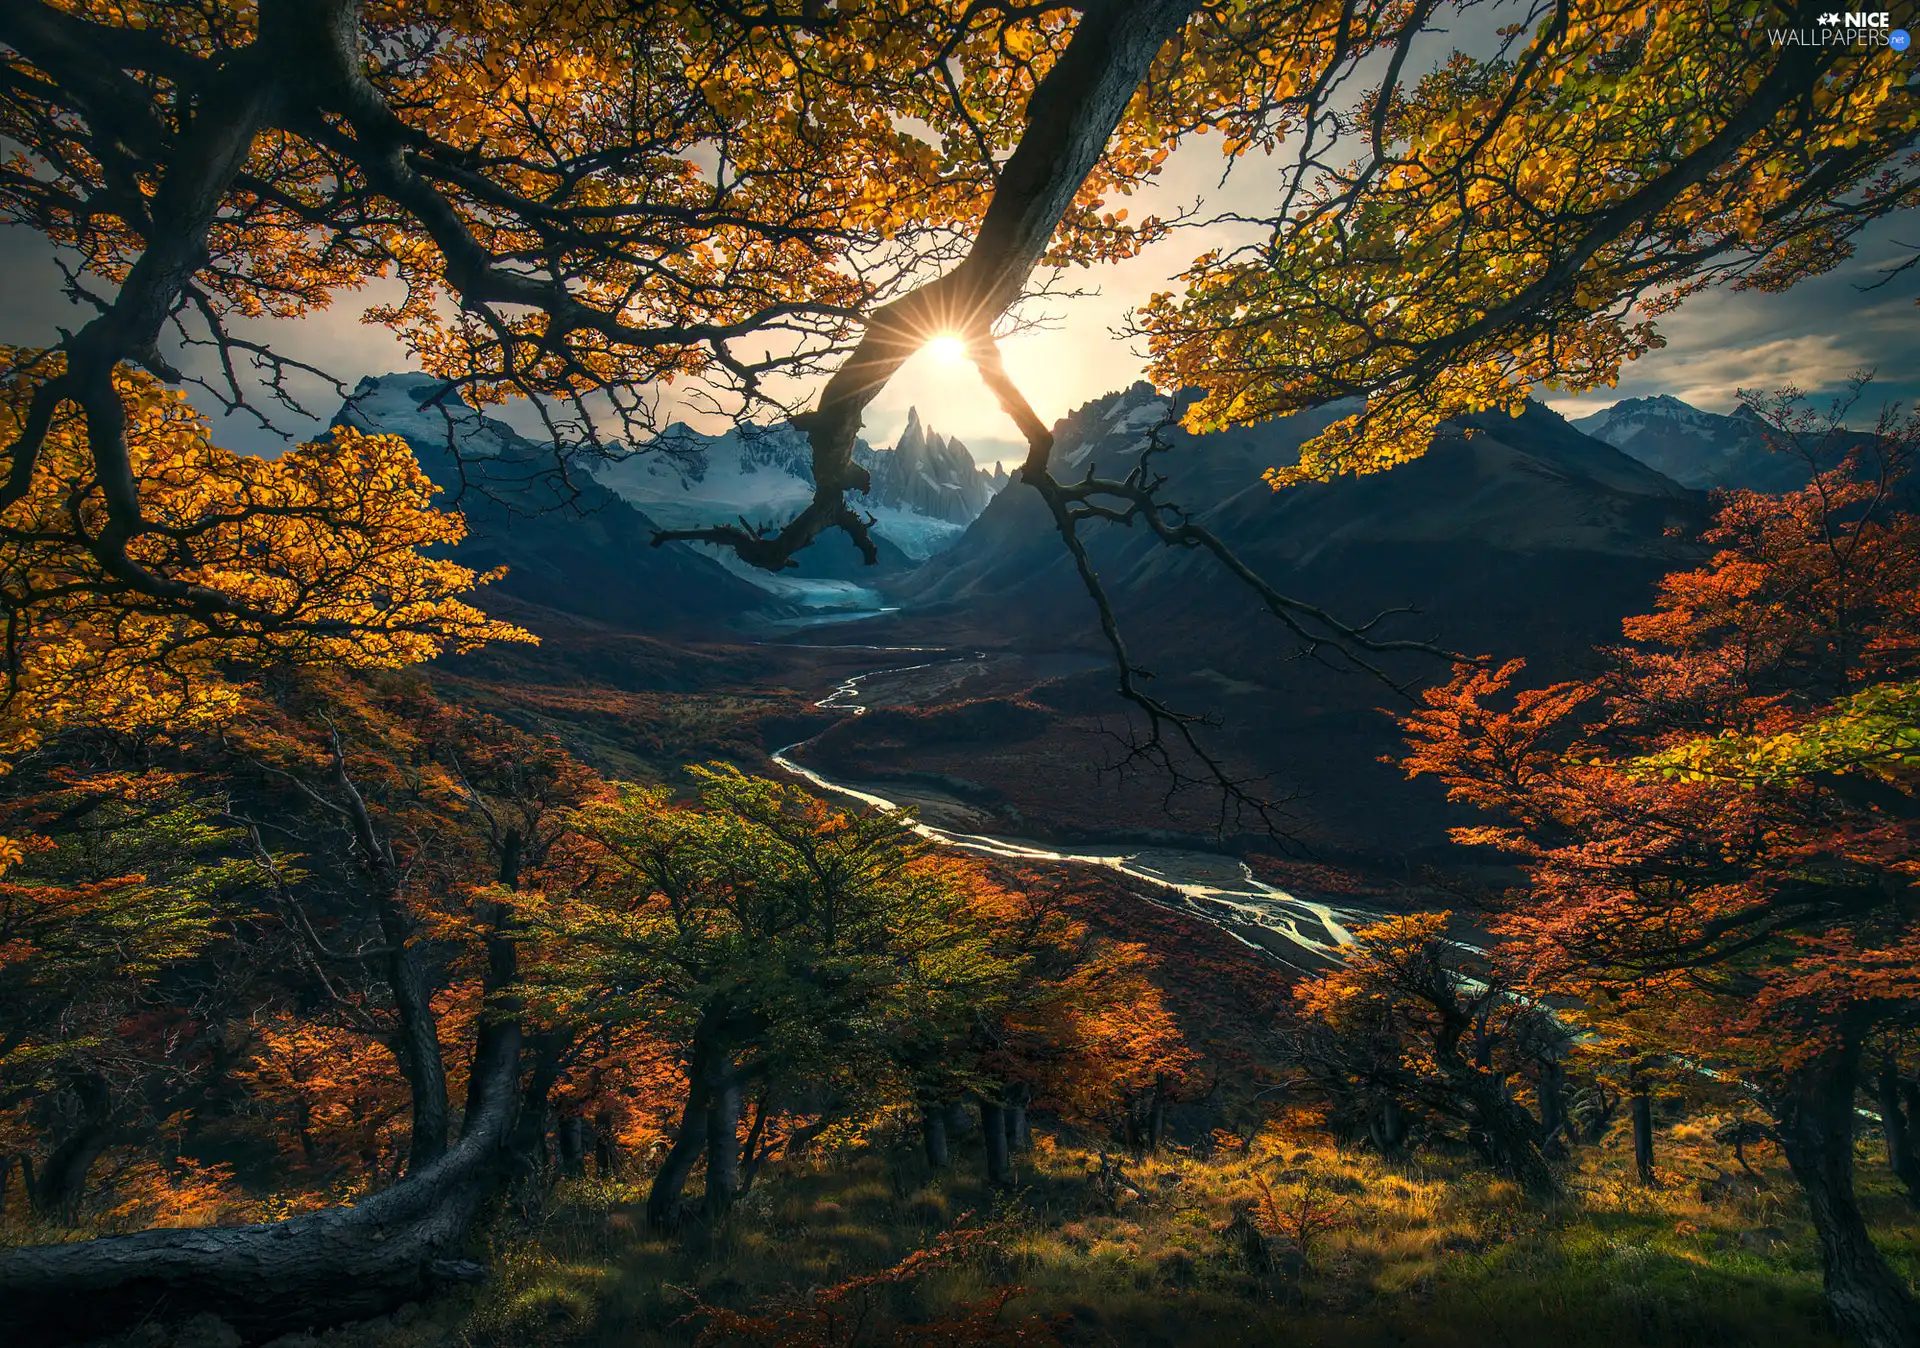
[948,349]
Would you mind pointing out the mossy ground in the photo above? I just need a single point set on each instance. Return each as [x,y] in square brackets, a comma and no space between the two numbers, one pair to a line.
[1430,1251]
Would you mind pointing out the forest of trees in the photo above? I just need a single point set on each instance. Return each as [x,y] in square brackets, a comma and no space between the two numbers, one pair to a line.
[277,918]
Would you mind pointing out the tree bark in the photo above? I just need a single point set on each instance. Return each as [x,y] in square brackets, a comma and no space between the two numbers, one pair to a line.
[1643,1133]
[63,1181]
[1552,1086]
[606,1147]
[1015,1102]
[723,1143]
[1387,1126]
[933,1132]
[571,1139]
[993,1131]
[417,1046]
[663,1199]
[347,1263]
[530,1133]
[1896,1126]
[1816,1120]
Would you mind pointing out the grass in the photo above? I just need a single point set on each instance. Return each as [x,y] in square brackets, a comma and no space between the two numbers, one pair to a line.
[1430,1251]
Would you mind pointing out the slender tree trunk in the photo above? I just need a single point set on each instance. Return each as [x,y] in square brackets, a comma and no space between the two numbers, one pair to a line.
[418,1046]
[723,1143]
[959,1119]
[530,1133]
[417,1041]
[1552,1086]
[303,1122]
[933,1132]
[1156,1121]
[606,1147]
[993,1131]
[1014,1102]
[663,1199]
[1896,1126]
[753,1152]
[1816,1121]
[571,1136]
[63,1181]
[1643,1133]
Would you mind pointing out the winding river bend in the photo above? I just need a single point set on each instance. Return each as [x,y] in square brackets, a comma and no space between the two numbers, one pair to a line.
[1221,890]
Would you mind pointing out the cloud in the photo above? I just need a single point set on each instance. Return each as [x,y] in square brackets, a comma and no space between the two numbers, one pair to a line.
[1814,336]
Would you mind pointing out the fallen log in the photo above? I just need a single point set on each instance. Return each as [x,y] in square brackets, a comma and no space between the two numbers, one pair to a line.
[323,1268]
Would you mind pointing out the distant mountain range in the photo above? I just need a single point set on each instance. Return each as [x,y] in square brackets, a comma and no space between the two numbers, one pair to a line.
[926,489]
[1696,448]
[581,541]
[950,536]
[568,543]
[1510,536]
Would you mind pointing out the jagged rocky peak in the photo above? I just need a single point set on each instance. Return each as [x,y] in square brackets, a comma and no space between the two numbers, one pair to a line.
[930,474]
[1694,447]
[424,411]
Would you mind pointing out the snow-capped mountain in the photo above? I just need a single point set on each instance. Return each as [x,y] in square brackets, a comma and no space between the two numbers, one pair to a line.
[926,489]
[931,476]
[582,542]
[1695,448]
[568,544]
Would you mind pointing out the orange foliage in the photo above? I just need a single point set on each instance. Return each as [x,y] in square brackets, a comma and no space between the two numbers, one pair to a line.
[1724,853]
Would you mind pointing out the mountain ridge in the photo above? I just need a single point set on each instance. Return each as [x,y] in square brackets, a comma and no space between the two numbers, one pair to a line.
[1696,448]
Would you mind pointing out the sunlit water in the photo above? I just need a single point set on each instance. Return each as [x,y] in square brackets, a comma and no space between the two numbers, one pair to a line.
[1219,889]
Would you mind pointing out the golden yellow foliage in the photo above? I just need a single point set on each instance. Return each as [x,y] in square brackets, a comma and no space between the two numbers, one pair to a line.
[1523,221]
[322,549]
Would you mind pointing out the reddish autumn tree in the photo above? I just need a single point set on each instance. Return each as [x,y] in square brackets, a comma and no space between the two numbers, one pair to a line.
[1720,832]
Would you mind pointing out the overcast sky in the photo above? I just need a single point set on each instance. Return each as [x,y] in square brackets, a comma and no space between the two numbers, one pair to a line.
[1814,336]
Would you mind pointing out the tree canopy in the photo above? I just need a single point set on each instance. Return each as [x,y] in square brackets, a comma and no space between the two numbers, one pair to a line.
[585,203]
[1719,833]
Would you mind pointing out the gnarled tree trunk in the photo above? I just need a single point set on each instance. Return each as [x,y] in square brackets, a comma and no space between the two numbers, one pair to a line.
[663,1199]
[1506,1132]
[324,1268]
[1816,1121]
[1387,1126]
[62,1182]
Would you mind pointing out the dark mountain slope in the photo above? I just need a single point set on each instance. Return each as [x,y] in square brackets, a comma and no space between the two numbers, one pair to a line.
[573,545]
[1696,448]
[1511,536]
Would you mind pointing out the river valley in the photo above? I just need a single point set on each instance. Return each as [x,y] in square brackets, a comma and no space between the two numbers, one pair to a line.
[1219,889]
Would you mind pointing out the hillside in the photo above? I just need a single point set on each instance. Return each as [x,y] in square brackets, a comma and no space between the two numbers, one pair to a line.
[1510,535]
[568,543]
